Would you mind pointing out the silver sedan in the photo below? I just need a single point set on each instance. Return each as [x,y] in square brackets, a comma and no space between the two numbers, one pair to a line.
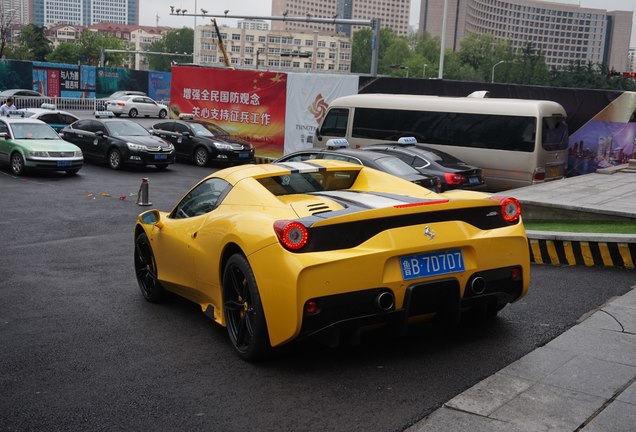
[134,106]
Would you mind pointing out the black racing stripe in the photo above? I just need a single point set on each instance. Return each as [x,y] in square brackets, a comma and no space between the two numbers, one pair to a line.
[632,251]
[532,257]
[560,250]
[576,250]
[351,234]
[596,253]
[289,167]
[296,170]
[545,256]
[615,254]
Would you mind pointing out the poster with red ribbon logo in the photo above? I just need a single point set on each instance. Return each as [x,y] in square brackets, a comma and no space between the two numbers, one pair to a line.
[247,104]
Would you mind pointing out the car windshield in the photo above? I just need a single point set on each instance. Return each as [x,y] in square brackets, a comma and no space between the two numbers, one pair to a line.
[200,130]
[125,128]
[33,131]
[395,166]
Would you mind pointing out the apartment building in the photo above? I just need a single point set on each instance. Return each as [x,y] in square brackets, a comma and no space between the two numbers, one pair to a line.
[561,32]
[393,14]
[274,50]
[83,12]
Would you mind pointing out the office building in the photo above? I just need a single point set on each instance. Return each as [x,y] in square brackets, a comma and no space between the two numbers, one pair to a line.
[561,32]
[274,50]
[393,14]
[14,11]
[84,12]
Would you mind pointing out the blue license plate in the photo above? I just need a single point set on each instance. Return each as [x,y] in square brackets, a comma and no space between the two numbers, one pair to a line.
[473,180]
[432,264]
[161,157]
[244,155]
[64,163]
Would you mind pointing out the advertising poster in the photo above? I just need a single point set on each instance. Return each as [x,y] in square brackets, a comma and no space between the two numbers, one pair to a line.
[248,104]
[15,74]
[110,80]
[606,140]
[308,96]
[159,86]
[87,81]
[57,80]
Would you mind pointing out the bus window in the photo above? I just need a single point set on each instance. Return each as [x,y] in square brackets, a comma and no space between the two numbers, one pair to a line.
[555,133]
[335,123]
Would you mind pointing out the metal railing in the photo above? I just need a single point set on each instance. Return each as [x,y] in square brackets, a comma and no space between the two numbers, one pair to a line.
[63,103]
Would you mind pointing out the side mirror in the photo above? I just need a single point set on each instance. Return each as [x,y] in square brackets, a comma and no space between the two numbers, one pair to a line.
[150,217]
[318,135]
[4,135]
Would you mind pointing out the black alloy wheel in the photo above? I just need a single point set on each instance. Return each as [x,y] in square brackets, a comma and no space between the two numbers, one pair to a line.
[201,156]
[146,270]
[163,113]
[132,113]
[17,164]
[114,159]
[243,311]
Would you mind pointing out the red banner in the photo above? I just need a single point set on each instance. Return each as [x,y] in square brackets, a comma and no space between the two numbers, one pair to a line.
[248,104]
[53,83]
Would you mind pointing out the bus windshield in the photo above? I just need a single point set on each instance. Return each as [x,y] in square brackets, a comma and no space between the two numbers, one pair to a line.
[555,133]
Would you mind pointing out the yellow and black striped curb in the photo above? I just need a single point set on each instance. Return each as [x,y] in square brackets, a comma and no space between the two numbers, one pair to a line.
[607,250]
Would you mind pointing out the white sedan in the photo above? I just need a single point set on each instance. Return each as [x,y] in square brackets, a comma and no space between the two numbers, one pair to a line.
[134,106]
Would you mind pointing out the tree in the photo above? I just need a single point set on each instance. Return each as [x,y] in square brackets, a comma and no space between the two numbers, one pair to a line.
[7,17]
[65,52]
[174,41]
[35,46]
[90,48]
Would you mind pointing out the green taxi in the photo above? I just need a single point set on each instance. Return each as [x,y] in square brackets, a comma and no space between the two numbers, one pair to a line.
[27,143]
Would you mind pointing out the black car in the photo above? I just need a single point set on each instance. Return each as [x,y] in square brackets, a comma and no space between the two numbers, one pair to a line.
[118,142]
[380,161]
[453,173]
[204,143]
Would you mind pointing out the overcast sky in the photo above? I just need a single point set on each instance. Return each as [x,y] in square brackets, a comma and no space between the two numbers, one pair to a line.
[150,9]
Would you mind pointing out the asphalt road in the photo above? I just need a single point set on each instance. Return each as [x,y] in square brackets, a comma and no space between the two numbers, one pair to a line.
[81,350]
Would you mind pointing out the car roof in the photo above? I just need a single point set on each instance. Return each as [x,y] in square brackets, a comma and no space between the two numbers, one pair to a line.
[38,111]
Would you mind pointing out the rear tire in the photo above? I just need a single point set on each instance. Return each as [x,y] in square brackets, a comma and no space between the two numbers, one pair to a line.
[243,310]
[133,113]
[163,114]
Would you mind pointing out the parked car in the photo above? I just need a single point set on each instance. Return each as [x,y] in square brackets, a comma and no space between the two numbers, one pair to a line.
[20,93]
[381,161]
[50,115]
[23,98]
[119,142]
[203,144]
[279,252]
[27,143]
[100,104]
[134,106]
[452,172]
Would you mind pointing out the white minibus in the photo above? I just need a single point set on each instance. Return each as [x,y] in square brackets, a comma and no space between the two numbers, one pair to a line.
[515,142]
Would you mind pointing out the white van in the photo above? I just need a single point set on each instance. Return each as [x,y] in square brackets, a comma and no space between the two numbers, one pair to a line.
[515,142]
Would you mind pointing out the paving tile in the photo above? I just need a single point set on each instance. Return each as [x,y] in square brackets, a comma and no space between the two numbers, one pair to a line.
[617,417]
[592,376]
[627,300]
[448,420]
[490,394]
[614,317]
[602,344]
[548,409]
[538,364]
[629,395]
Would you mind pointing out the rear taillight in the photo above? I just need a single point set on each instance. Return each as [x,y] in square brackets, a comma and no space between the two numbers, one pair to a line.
[510,208]
[292,235]
[539,174]
[454,179]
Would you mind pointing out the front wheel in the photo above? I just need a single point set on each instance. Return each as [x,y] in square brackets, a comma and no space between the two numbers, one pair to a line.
[17,164]
[243,311]
[146,270]
[132,113]
[163,113]
[201,156]
[114,159]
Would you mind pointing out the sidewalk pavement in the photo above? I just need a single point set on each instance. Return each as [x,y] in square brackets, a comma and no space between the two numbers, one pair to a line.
[585,379]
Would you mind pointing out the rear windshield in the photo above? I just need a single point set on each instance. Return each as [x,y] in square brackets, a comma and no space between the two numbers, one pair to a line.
[309,182]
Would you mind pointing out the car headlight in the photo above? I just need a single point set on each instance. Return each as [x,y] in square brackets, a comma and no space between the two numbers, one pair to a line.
[41,154]
[133,146]
[170,147]
[222,146]
[78,154]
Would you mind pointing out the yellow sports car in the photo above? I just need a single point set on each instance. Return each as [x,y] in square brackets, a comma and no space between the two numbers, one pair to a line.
[277,252]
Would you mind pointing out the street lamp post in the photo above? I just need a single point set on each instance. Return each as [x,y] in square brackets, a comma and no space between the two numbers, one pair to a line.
[492,78]
[424,71]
